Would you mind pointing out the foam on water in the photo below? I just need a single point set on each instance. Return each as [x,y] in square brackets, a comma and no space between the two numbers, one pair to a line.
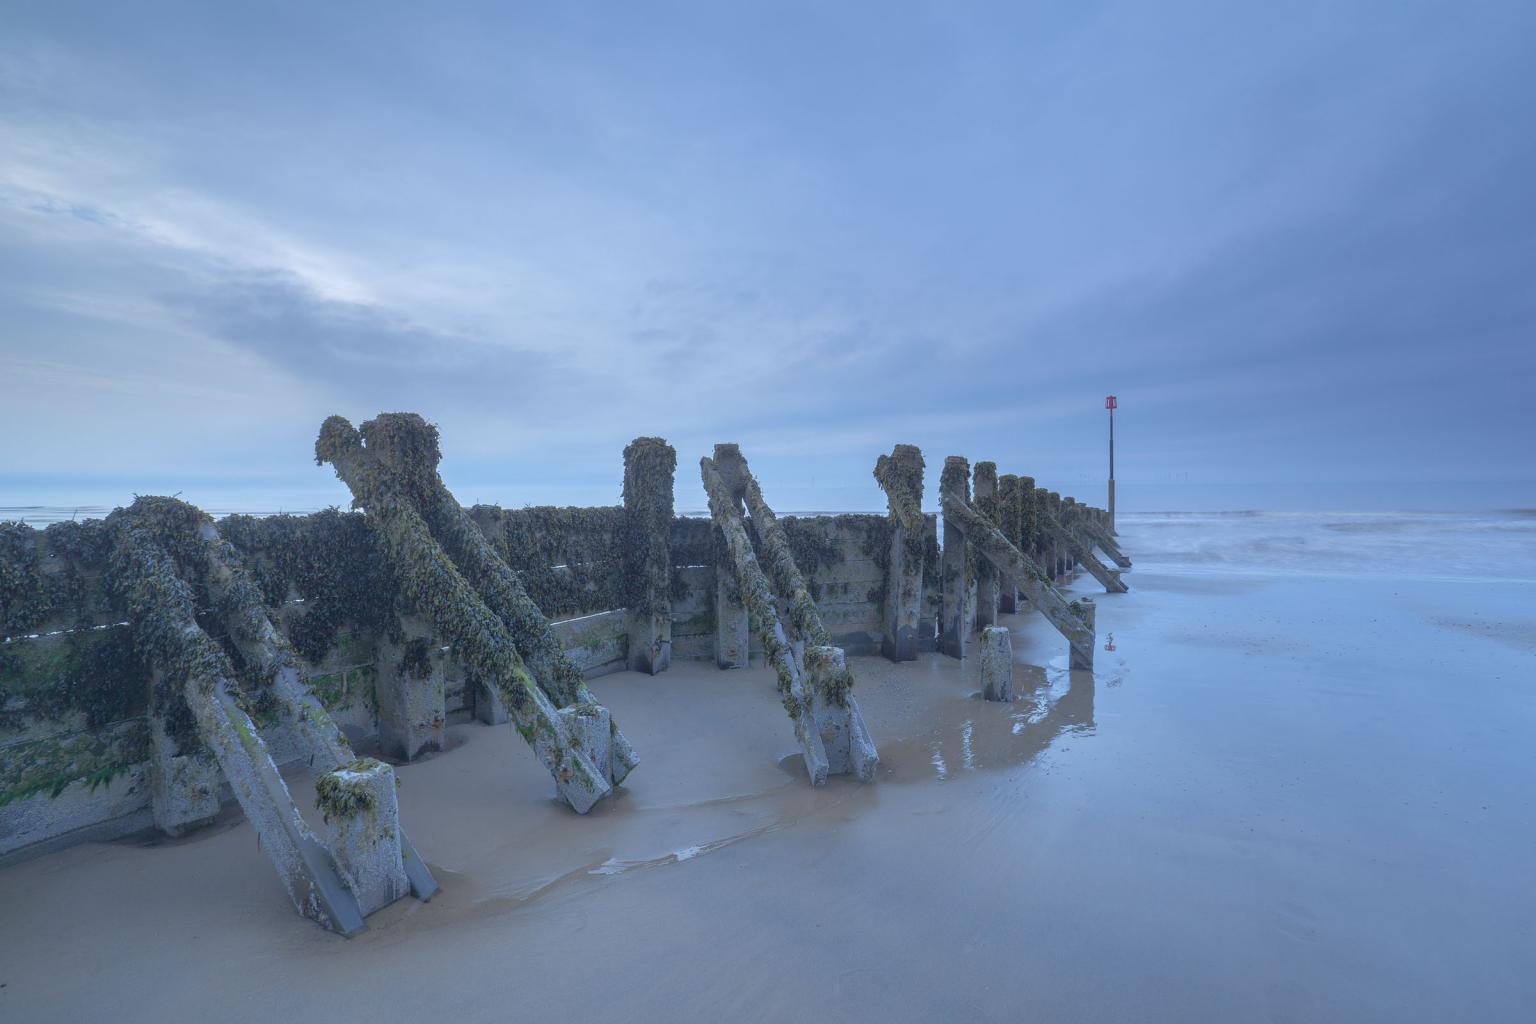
[1422,546]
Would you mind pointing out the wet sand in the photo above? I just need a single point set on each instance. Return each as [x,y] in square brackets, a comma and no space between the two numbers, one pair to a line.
[1281,796]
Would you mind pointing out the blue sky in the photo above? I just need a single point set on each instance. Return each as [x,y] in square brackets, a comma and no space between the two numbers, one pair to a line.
[1296,240]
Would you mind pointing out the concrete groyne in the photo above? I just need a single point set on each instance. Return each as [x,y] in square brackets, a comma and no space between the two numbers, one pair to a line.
[158,664]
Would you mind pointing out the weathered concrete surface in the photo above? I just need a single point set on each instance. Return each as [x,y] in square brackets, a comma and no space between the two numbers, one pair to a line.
[362,819]
[996,663]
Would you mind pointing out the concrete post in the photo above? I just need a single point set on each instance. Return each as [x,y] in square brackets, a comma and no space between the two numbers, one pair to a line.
[1088,612]
[996,664]
[362,820]
[900,474]
[410,692]
[649,466]
[954,620]
[183,782]
[731,635]
[489,707]
[984,481]
[843,735]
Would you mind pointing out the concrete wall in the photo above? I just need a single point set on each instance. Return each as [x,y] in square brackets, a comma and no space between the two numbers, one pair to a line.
[82,779]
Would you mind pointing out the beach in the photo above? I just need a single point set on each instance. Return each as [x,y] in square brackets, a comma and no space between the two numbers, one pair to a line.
[1297,786]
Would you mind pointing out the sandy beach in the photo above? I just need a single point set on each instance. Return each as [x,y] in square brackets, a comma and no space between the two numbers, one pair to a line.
[1299,787]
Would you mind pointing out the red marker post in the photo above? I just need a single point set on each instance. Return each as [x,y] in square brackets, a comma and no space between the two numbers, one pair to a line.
[1111,403]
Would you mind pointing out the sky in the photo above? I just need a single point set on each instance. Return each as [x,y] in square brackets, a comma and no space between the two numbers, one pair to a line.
[1296,240]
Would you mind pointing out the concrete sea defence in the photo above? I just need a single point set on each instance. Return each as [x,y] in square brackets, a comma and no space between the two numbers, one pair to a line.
[157,664]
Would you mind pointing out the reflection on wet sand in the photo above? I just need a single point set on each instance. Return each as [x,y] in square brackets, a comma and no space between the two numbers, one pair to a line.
[972,735]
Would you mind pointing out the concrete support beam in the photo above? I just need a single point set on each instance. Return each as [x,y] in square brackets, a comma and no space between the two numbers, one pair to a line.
[1045,598]
[237,599]
[955,616]
[1089,613]
[649,466]
[816,701]
[362,820]
[1079,553]
[393,458]
[305,865]
[163,617]
[996,664]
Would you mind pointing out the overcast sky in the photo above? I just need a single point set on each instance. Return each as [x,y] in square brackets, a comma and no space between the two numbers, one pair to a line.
[1296,239]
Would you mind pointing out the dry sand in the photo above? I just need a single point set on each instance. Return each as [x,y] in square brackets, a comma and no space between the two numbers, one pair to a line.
[1280,798]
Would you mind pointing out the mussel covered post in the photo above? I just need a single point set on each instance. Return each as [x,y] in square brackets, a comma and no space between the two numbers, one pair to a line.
[900,475]
[649,466]
[362,821]
[996,664]
[954,621]
[984,491]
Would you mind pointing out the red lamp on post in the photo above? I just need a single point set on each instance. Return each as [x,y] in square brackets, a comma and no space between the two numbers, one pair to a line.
[1111,403]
